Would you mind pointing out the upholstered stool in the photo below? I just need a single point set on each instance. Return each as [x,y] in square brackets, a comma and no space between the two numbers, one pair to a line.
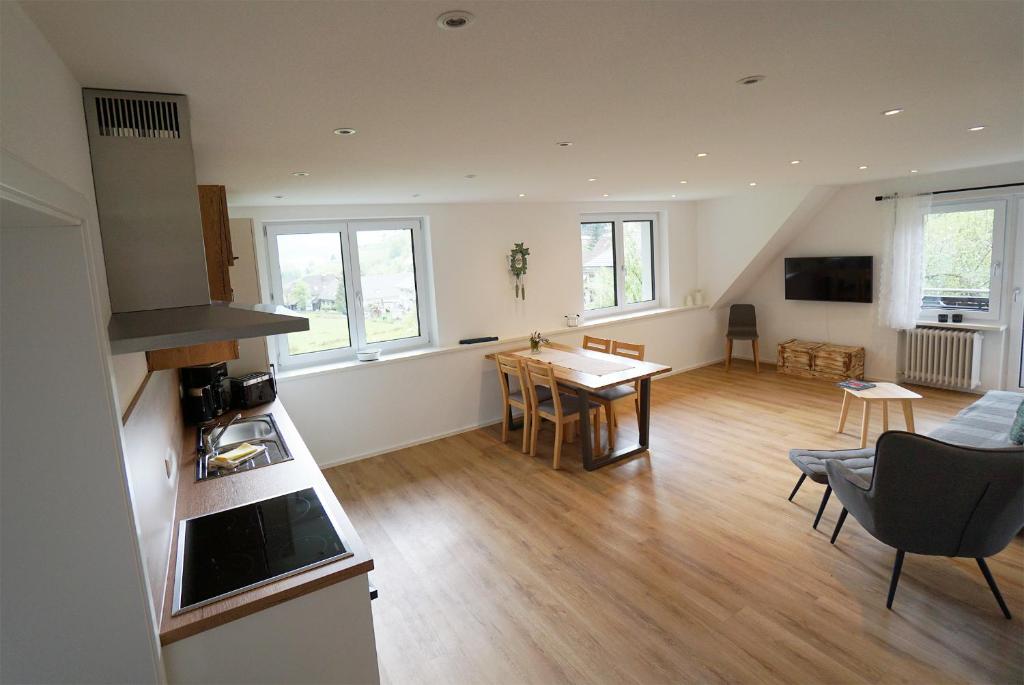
[811,463]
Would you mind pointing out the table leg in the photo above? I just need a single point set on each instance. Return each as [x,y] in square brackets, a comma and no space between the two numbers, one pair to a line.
[586,440]
[908,415]
[885,416]
[843,412]
[586,447]
[865,421]
[645,413]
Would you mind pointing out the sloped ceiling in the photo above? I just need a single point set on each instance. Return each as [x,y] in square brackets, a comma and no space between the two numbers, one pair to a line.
[738,236]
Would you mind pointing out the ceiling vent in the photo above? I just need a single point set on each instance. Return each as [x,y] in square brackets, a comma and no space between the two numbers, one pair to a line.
[119,117]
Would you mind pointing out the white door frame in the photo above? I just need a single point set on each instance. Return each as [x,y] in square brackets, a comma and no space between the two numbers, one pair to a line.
[1014,370]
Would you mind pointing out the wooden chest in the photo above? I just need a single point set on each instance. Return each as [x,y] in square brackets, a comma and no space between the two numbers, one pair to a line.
[820,360]
[797,355]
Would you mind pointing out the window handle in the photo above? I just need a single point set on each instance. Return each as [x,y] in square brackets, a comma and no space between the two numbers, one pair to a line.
[1016,295]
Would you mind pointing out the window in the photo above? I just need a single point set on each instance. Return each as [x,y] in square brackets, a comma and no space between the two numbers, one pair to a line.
[360,283]
[963,255]
[618,262]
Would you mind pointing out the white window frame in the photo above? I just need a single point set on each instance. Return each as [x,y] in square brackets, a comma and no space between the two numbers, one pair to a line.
[347,230]
[617,219]
[997,271]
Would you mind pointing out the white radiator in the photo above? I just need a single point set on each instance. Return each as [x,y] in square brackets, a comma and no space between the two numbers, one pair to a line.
[942,358]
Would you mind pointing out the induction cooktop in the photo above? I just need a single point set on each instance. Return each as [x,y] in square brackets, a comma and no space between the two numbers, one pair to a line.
[231,551]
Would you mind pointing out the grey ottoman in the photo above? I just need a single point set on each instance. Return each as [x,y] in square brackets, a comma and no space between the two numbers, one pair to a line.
[812,465]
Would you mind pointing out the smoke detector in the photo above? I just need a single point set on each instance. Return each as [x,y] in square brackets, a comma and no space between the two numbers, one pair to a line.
[456,19]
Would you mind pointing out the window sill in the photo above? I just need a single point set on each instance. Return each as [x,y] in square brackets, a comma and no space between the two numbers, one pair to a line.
[351,365]
[966,325]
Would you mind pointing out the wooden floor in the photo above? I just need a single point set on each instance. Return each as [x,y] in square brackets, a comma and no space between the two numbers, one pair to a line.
[687,565]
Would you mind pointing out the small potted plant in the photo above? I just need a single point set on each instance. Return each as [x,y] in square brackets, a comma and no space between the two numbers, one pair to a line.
[535,341]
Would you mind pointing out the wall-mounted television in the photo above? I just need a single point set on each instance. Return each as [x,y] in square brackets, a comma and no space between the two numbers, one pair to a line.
[829,279]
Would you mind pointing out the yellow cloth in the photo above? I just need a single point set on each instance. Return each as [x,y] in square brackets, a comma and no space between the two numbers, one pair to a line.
[233,458]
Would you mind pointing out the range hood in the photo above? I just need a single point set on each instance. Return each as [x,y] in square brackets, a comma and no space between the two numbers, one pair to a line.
[144,173]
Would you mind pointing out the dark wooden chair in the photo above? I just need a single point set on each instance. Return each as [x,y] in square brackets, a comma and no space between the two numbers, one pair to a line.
[742,326]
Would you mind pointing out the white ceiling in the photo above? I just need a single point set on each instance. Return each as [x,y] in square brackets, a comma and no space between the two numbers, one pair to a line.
[639,87]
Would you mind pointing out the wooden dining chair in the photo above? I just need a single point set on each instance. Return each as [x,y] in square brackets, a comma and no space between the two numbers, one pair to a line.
[608,396]
[560,408]
[512,366]
[597,344]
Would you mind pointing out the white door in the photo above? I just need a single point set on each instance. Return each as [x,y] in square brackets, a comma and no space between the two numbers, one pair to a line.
[1015,365]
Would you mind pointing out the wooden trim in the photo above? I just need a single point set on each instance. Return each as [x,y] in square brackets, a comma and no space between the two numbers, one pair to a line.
[135,399]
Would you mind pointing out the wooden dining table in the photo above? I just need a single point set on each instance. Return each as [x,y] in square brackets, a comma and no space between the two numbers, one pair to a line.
[586,372]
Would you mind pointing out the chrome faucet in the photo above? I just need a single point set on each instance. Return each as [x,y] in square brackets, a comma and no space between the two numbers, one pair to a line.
[213,439]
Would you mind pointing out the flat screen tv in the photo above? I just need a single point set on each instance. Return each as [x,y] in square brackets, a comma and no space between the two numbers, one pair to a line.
[829,279]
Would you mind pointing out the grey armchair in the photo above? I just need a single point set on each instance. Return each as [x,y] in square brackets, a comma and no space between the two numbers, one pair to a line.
[931,497]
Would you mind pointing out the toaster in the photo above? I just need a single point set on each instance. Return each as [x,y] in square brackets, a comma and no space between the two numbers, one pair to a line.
[253,389]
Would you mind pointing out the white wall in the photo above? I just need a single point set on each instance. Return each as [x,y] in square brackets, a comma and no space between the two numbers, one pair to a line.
[732,231]
[152,448]
[852,223]
[245,284]
[469,245]
[73,592]
[370,409]
[366,410]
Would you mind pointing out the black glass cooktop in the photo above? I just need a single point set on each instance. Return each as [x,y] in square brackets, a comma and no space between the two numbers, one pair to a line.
[222,554]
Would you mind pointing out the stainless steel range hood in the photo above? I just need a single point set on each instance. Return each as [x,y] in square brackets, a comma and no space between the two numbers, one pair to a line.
[144,173]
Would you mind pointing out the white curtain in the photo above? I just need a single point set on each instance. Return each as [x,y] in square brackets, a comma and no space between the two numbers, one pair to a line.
[903,262]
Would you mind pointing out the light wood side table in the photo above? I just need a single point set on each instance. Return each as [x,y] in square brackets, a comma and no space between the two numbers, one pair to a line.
[882,393]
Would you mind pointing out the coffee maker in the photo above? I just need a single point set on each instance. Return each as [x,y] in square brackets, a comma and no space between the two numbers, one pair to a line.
[205,392]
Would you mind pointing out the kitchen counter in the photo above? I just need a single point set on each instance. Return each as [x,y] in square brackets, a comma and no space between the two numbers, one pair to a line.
[198,498]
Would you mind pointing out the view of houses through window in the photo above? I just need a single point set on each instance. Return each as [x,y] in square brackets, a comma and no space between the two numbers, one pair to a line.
[356,283]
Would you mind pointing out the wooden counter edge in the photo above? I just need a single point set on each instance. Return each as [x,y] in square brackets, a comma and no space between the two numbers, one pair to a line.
[265,602]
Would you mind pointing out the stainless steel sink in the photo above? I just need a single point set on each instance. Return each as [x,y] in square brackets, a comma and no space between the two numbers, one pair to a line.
[256,430]
[247,430]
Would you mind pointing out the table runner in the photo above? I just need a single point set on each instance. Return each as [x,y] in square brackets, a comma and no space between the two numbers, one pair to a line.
[577,362]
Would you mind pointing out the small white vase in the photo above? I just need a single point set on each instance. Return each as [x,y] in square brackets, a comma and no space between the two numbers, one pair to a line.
[698,297]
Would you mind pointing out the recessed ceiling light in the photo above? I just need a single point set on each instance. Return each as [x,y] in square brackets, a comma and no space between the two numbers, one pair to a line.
[702,154]
[673,194]
[456,19]
[300,173]
[752,184]
[604,195]
[344,131]
[684,182]
[913,171]
[522,194]
[976,128]
[795,161]
[751,80]
[892,112]
[564,143]
[862,167]
[470,176]
[278,197]
[591,180]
